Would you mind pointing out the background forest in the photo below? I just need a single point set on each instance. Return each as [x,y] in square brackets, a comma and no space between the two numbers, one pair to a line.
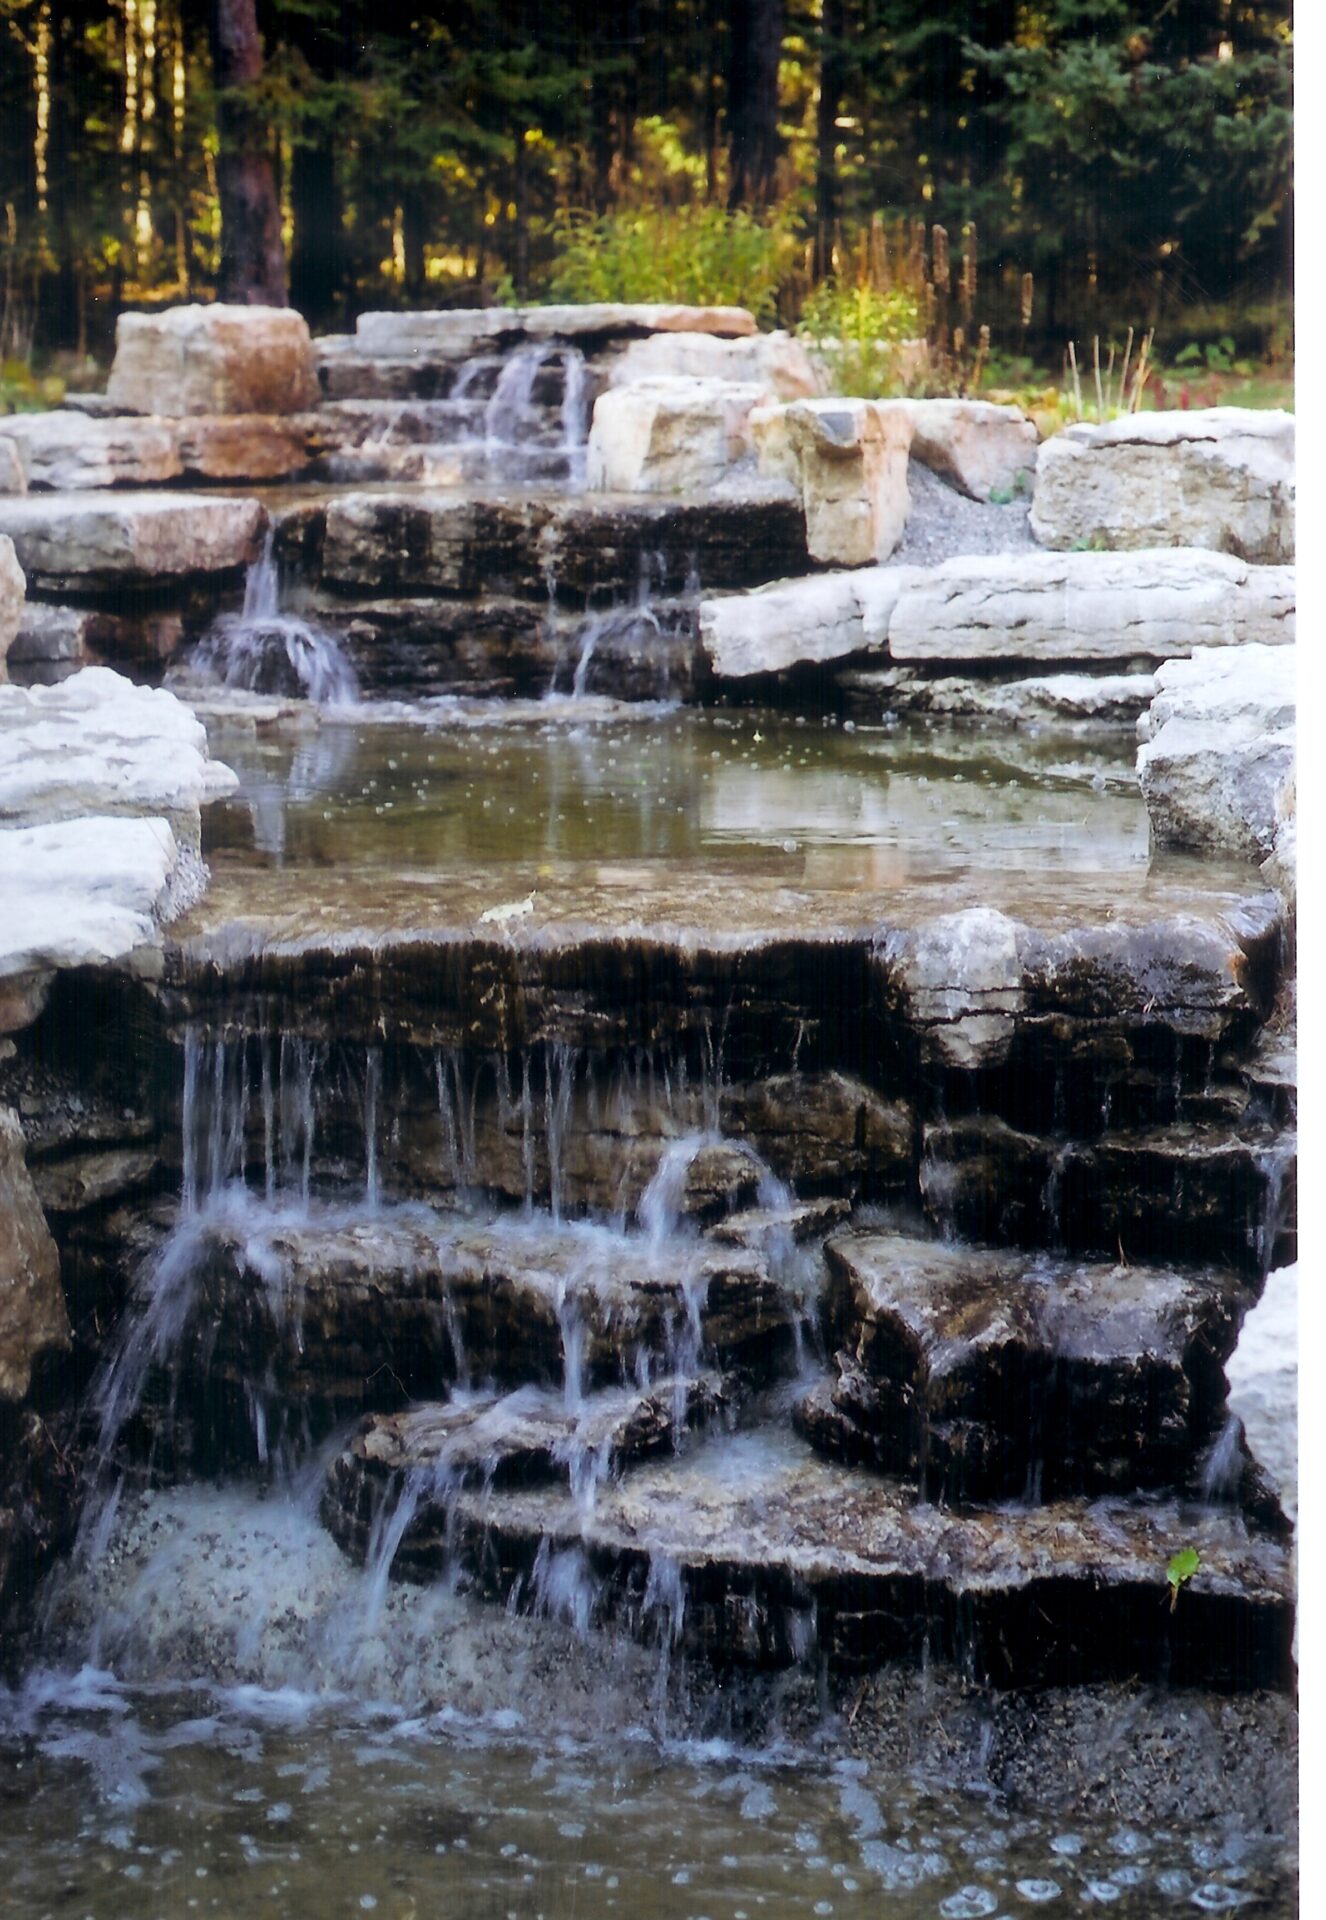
[1136,160]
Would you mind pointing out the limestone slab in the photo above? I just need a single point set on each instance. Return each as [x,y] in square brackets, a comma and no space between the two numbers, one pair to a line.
[12,477]
[1263,1385]
[100,540]
[1220,477]
[245,446]
[67,451]
[458,332]
[788,624]
[13,591]
[777,363]
[217,359]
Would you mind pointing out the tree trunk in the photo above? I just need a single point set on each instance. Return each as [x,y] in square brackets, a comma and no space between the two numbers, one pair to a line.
[252,257]
[833,31]
[752,100]
[414,233]
[316,255]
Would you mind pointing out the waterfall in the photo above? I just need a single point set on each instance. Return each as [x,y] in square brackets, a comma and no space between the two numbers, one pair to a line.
[262,650]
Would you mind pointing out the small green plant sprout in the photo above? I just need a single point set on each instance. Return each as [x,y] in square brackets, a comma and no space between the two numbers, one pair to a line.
[1001,496]
[1217,356]
[1180,1571]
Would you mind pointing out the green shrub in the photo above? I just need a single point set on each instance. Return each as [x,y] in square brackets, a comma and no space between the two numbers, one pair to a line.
[857,330]
[696,254]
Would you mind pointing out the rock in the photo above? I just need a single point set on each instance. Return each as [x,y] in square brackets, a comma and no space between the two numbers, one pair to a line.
[789,624]
[80,1181]
[1263,1386]
[97,745]
[54,642]
[978,447]
[33,1320]
[1056,699]
[458,332]
[963,975]
[95,541]
[244,446]
[777,363]
[12,477]
[443,542]
[849,458]
[985,1373]
[1217,750]
[218,359]
[13,590]
[1088,606]
[68,451]
[668,435]
[333,1316]
[771,1553]
[1220,477]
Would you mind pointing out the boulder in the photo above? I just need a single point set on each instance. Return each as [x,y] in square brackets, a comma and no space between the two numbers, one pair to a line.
[33,1320]
[978,447]
[1217,750]
[97,745]
[66,451]
[12,477]
[244,446]
[987,1372]
[1220,477]
[219,359]
[668,435]
[54,642]
[1088,606]
[458,332]
[13,590]
[777,363]
[849,458]
[95,541]
[963,976]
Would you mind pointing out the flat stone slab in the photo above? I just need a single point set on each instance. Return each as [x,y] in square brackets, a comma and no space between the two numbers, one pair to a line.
[1052,699]
[777,363]
[1220,477]
[453,543]
[340,1311]
[460,332]
[987,1373]
[95,540]
[1004,608]
[1216,763]
[765,1554]
[13,589]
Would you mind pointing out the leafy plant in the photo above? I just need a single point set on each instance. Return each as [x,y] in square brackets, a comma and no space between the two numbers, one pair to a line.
[857,331]
[1180,1571]
[23,391]
[698,254]
[1217,356]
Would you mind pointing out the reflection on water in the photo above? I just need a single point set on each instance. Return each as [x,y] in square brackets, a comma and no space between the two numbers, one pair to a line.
[861,807]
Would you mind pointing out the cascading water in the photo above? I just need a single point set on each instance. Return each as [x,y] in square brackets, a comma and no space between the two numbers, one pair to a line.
[262,650]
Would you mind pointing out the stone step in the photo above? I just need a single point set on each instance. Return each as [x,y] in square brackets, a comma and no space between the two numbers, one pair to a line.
[310,1315]
[984,1374]
[95,542]
[751,1551]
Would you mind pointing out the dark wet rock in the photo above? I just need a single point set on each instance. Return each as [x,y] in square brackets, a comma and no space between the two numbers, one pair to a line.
[450,543]
[985,1374]
[324,1316]
[78,1181]
[517,1439]
[986,1180]
[54,641]
[771,1552]
[761,1228]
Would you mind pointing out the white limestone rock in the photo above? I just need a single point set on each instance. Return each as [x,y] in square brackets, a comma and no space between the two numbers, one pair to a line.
[12,477]
[1221,477]
[1090,606]
[963,975]
[668,436]
[218,359]
[1056,699]
[13,591]
[103,539]
[791,623]
[1217,753]
[978,447]
[67,451]
[1263,1385]
[777,363]
[87,891]
[96,744]
[849,459]
[456,333]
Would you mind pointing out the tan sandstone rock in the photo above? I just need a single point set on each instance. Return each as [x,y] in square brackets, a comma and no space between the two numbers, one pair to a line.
[219,359]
